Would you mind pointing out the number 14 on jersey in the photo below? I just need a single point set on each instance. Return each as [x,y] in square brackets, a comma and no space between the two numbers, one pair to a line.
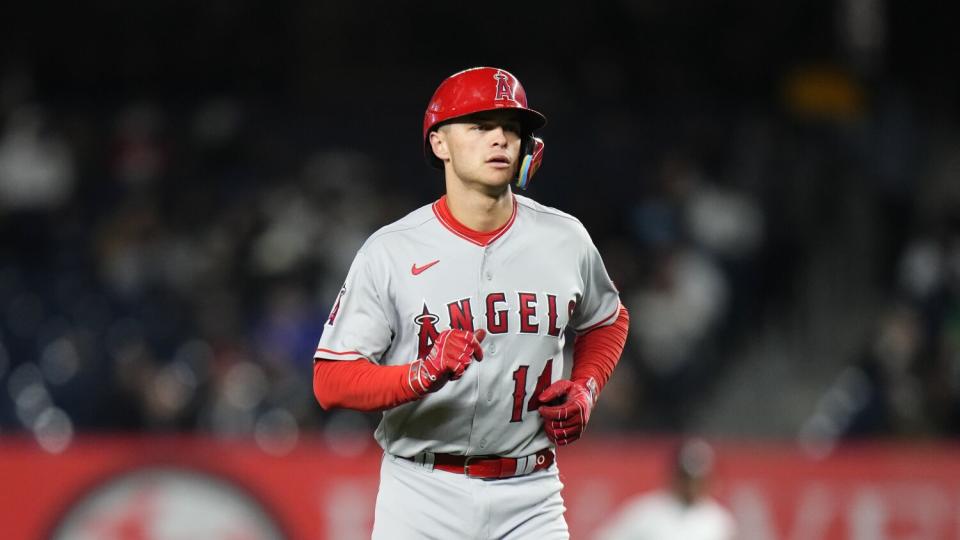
[520,389]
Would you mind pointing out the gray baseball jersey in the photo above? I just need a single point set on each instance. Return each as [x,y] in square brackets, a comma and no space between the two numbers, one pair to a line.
[419,276]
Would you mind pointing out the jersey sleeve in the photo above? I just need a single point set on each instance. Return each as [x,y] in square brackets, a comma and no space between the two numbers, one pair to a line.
[599,303]
[358,325]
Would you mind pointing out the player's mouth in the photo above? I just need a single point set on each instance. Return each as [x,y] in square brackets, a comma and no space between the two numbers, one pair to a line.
[499,161]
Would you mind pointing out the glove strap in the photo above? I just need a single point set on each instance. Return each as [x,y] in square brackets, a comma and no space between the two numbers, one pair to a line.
[415,378]
[591,385]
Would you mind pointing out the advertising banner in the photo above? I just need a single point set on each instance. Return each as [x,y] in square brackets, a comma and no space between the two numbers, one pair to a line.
[179,488]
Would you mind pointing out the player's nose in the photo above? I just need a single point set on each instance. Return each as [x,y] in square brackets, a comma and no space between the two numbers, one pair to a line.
[498,136]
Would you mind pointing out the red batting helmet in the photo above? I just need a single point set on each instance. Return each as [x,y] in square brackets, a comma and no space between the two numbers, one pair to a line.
[485,89]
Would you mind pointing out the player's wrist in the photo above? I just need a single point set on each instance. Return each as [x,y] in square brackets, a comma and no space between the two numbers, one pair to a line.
[419,379]
[589,384]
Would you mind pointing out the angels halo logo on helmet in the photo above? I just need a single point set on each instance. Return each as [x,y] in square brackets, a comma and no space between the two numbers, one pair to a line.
[504,91]
[482,89]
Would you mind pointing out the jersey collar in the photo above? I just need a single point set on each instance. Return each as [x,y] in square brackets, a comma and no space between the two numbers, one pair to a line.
[442,211]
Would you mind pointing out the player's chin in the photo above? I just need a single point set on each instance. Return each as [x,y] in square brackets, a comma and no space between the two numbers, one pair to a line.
[496,177]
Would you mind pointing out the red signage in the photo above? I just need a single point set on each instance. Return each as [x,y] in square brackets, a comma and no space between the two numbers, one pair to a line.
[174,488]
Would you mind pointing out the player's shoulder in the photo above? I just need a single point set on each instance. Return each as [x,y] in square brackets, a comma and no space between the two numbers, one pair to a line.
[655,503]
[552,217]
[400,228]
[658,499]
[546,212]
[716,510]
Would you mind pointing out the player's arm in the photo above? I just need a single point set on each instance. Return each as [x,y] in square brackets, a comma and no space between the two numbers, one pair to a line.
[597,351]
[601,322]
[364,386]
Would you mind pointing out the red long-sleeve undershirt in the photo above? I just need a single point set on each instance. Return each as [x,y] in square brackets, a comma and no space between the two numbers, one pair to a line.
[363,386]
[360,385]
[596,353]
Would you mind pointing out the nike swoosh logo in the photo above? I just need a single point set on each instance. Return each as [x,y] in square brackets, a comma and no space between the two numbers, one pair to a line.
[415,270]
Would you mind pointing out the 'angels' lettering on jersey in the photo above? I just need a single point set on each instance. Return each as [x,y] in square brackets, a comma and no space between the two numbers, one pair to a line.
[496,319]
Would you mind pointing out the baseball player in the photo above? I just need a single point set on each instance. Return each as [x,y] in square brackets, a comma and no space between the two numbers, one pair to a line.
[683,510]
[451,321]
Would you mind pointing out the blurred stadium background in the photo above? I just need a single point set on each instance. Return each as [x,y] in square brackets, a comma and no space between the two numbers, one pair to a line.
[774,186]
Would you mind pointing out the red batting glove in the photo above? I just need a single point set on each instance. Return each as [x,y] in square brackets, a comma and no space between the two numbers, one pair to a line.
[567,409]
[450,356]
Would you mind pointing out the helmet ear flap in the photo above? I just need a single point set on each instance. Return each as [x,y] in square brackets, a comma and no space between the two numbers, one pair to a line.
[532,153]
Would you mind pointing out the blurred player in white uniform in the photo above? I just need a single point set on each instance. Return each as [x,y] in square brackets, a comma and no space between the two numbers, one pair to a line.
[685,511]
[451,321]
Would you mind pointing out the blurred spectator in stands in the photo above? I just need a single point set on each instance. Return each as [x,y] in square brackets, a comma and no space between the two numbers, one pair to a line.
[672,320]
[893,402]
[682,511]
[727,224]
[140,155]
[725,221]
[286,333]
[36,164]
[677,308]
[906,381]
[930,277]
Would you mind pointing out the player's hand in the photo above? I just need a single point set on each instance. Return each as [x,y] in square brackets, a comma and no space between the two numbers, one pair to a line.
[447,360]
[566,410]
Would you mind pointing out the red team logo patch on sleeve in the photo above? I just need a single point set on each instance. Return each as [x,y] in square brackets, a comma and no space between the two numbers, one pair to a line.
[336,306]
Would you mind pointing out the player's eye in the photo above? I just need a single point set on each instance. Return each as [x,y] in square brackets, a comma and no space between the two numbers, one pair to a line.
[511,127]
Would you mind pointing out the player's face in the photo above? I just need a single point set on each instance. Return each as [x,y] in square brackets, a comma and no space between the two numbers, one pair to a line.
[484,148]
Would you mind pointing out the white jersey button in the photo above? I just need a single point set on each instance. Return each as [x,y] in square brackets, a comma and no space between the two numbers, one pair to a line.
[489,276]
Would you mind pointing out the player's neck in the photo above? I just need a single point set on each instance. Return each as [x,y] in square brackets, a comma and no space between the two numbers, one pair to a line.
[479,210]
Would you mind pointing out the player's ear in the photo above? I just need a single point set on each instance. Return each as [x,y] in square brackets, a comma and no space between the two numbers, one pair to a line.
[438,142]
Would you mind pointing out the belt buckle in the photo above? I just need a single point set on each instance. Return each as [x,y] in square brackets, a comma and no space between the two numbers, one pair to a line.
[466,466]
